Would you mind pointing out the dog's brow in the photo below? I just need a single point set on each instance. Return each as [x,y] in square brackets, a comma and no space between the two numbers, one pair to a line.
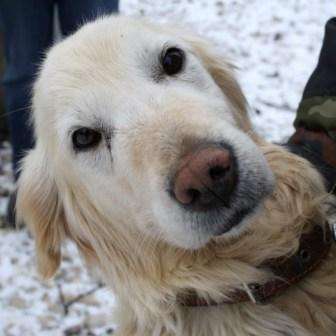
[96,123]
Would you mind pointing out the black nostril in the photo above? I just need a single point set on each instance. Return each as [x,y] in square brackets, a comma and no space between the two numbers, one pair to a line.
[194,195]
[201,199]
[218,172]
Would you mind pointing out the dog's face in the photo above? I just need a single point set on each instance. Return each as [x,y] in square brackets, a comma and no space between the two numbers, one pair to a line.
[148,126]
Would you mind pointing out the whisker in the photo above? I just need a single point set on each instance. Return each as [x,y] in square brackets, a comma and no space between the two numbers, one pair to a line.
[15,111]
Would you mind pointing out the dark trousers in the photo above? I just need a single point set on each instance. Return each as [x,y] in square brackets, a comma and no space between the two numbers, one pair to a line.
[28,32]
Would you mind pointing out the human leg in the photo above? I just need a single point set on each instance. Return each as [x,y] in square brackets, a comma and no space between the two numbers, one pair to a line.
[73,13]
[27,27]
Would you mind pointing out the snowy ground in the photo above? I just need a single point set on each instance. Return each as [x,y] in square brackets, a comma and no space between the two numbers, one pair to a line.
[275,43]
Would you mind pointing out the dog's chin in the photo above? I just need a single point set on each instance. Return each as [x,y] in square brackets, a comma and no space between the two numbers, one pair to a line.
[236,226]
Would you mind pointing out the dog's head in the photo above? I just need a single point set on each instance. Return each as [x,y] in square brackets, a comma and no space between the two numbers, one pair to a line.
[146,127]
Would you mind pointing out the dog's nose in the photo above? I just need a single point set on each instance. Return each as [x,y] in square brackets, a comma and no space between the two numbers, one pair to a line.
[206,179]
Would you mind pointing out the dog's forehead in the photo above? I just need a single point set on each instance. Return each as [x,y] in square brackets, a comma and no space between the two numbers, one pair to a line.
[112,52]
[112,42]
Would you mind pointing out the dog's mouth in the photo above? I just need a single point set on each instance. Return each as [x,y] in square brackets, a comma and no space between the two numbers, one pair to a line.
[246,201]
[226,220]
[235,221]
[195,230]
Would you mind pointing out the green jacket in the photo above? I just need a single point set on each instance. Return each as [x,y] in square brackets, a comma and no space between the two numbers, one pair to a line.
[315,123]
[318,113]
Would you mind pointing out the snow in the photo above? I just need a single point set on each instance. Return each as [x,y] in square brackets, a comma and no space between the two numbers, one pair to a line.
[275,45]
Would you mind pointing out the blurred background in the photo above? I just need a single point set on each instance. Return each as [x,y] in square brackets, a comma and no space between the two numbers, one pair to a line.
[275,45]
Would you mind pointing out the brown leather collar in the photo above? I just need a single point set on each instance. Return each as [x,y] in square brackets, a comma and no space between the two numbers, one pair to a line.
[314,247]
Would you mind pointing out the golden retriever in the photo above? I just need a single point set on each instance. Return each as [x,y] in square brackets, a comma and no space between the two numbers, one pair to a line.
[146,159]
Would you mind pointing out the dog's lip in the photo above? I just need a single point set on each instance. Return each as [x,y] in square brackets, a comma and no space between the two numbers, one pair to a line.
[234,221]
[239,216]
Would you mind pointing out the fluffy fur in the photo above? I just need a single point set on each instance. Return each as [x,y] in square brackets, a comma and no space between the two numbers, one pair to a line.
[112,202]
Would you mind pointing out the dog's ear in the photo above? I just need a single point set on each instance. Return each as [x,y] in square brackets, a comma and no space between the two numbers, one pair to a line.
[38,205]
[223,74]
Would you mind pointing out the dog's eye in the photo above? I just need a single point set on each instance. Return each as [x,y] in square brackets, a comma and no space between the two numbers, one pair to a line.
[85,138]
[172,61]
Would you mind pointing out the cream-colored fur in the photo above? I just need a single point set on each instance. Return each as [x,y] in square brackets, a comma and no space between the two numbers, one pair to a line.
[112,201]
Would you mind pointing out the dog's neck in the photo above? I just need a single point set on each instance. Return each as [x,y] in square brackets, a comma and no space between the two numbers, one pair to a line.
[313,250]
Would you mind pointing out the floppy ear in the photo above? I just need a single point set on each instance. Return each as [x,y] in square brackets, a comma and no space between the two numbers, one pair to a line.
[223,74]
[39,206]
